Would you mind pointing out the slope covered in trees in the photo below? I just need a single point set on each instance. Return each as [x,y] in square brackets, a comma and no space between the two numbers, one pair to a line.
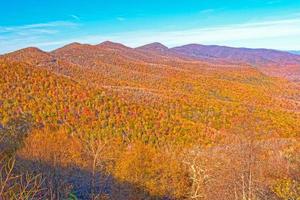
[108,121]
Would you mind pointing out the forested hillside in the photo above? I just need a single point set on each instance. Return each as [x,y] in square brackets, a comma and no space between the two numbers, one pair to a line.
[111,122]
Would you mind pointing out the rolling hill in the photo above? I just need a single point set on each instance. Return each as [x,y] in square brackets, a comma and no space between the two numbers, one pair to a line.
[131,122]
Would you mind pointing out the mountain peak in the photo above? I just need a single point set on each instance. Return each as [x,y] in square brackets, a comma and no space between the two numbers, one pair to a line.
[29,51]
[72,45]
[110,44]
[31,55]
[107,42]
[156,46]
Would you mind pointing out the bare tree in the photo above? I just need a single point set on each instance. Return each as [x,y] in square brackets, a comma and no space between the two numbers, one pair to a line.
[20,186]
[230,171]
[95,151]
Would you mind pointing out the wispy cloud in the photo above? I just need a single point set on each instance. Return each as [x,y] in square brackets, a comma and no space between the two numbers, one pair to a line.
[14,37]
[280,34]
[244,32]
[206,11]
[255,34]
[75,17]
[13,29]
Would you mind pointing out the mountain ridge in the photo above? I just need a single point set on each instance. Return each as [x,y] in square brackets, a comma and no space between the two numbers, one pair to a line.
[257,56]
[147,111]
[155,46]
[272,62]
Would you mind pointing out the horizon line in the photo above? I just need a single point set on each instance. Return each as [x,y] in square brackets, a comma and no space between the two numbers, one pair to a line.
[135,47]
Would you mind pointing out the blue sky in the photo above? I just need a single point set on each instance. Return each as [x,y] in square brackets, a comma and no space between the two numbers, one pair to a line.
[49,24]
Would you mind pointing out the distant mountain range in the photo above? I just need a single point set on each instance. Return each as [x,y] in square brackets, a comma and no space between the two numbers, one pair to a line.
[268,61]
[257,57]
[295,52]
[252,56]
[271,62]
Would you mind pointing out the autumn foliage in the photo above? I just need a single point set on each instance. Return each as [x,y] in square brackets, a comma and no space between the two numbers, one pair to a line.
[111,122]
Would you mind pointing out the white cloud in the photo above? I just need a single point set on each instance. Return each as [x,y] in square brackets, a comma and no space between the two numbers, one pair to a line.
[278,34]
[15,37]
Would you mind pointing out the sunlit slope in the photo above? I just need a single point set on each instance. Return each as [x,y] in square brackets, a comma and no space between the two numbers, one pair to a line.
[178,102]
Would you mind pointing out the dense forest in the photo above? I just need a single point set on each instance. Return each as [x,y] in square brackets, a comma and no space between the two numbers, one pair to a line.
[110,122]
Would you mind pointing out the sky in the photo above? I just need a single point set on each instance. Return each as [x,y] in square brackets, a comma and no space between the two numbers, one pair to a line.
[49,24]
